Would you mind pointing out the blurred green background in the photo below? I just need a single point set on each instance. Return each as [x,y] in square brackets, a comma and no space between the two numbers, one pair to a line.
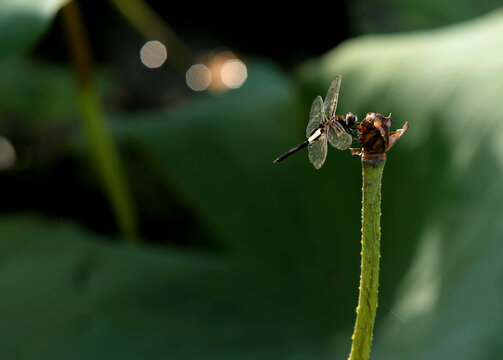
[142,219]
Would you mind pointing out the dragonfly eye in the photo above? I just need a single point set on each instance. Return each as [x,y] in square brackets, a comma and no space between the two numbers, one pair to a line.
[351,119]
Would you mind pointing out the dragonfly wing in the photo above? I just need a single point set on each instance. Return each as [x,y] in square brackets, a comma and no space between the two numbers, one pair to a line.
[315,116]
[318,151]
[332,97]
[338,137]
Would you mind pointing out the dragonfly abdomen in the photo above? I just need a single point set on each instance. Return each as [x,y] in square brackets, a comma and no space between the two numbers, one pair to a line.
[292,151]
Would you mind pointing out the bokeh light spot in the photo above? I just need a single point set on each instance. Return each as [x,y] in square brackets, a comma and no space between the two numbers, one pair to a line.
[233,73]
[153,54]
[198,77]
[7,154]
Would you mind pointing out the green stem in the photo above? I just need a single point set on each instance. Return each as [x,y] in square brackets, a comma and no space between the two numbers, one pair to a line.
[104,150]
[371,238]
[108,164]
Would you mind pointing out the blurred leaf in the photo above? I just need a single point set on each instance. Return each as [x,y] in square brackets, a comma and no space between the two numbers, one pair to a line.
[42,95]
[441,184]
[36,92]
[68,294]
[396,15]
[22,22]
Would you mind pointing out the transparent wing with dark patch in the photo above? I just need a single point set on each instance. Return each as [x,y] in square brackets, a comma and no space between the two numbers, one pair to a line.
[318,151]
[332,97]
[338,137]
[315,116]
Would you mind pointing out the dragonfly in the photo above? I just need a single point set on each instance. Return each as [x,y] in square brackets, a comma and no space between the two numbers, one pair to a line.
[324,125]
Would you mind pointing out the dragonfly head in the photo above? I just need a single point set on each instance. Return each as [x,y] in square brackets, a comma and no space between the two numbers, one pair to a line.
[351,119]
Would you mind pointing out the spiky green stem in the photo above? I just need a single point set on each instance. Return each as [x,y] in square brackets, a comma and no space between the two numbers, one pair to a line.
[371,238]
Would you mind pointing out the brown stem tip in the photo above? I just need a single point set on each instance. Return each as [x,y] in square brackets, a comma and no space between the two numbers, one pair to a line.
[375,135]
